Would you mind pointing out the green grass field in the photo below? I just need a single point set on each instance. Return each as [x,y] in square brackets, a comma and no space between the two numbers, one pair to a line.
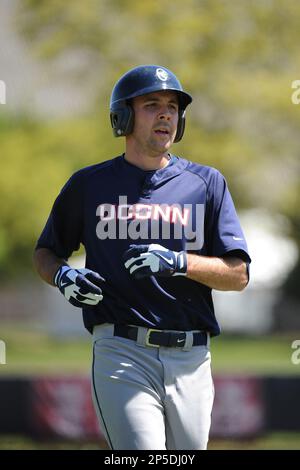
[274,441]
[31,353]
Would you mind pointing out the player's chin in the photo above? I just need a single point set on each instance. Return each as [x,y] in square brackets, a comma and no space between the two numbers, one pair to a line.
[163,145]
[164,138]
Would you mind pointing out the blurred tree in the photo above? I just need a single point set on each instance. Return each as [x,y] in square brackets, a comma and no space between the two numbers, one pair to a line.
[36,160]
[238,60]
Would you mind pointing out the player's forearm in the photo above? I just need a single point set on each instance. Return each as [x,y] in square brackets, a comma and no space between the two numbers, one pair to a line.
[225,274]
[46,263]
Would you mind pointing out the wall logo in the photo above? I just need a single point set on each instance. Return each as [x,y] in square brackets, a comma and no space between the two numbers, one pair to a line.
[2,352]
[295,358]
[2,92]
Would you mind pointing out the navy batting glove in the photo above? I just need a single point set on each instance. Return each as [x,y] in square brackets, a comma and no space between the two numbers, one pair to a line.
[154,260]
[79,286]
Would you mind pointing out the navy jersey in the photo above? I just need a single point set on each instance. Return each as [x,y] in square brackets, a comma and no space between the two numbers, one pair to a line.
[108,206]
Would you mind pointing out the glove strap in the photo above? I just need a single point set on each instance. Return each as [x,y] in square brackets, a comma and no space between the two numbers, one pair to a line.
[181,264]
[57,276]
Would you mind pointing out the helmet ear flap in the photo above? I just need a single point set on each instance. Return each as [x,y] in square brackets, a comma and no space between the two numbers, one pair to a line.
[122,119]
[180,125]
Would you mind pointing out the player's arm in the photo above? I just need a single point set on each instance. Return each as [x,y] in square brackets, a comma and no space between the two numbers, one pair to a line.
[47,264]
[227,273]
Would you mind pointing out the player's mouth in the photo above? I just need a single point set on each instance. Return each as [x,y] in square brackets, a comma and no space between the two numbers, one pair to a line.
[162,131]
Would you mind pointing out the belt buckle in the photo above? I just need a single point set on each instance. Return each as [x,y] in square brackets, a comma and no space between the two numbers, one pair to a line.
[147,337]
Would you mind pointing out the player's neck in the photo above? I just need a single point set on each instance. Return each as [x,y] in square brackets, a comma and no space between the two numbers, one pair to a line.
[146,162]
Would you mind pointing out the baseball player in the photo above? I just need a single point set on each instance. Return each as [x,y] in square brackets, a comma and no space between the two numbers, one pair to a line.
[160,232]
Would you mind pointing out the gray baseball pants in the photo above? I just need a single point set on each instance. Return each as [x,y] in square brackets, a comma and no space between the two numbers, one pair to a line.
[151,398]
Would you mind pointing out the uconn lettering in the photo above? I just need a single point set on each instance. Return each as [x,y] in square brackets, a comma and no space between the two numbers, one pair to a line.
[151,221]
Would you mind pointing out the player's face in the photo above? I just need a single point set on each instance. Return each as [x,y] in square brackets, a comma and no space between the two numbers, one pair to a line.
[155,122]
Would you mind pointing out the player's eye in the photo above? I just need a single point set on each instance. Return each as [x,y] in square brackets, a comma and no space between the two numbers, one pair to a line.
[173,107]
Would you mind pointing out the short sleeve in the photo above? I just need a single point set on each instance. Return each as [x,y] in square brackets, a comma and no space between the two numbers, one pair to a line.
[225,233]
[63,231]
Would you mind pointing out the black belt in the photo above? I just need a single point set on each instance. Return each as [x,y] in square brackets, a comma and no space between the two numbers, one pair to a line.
[156,338]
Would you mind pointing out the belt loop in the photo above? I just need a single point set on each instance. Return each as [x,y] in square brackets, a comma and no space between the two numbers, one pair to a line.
[141,336]
[189,338]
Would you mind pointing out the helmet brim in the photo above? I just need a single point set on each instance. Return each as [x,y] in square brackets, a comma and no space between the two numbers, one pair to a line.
[184,98]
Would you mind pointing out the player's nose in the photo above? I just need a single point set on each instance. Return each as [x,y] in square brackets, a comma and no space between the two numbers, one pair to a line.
[164,116]
[164,113]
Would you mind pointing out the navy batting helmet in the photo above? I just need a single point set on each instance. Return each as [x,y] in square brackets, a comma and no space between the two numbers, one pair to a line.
[140,81]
